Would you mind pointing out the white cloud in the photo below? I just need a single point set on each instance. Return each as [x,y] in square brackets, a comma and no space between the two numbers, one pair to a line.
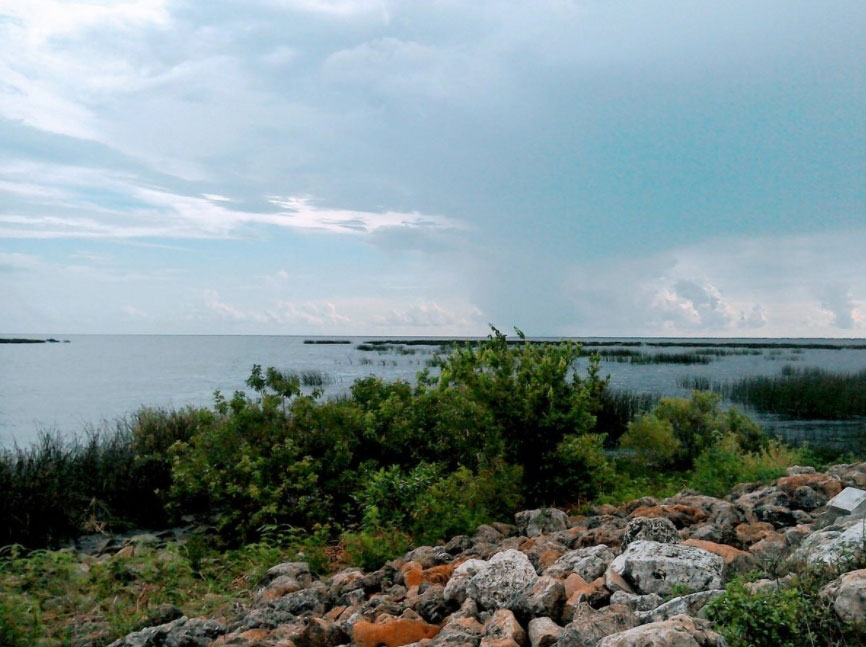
[157,212]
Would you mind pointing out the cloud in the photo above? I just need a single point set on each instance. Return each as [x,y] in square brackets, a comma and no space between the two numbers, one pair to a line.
[431,315]
[85,195]
[837,300]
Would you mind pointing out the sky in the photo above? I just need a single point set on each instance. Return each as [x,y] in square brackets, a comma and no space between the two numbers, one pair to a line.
[419,167]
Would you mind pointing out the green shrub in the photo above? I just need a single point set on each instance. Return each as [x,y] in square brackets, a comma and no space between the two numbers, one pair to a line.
[370,549]
[678,431]
[724,464]
[585,472]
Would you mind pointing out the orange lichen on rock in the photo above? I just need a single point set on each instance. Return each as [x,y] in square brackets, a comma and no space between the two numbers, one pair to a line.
[734,557]
[415,575]
[827,485]
[393,633]
[681,515]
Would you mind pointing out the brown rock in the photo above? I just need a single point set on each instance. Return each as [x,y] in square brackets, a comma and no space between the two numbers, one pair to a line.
[827,485]
[503,630]
[751,533]
[735,558]
[595,594]
[681,515]
[393,633]
[414,575]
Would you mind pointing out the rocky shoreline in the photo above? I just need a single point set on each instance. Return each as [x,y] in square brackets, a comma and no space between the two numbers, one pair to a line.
[635,575]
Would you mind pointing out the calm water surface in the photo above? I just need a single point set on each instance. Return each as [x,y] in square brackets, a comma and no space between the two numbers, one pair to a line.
[97,378]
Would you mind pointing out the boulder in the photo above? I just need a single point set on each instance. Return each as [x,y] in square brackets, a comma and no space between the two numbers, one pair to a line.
[653,567]
[189,632]
[735,559]
[589,563]
[460,632]
[681,515]
[456,589]
[848,596]
[414,576]
[502,583]
[658,529]
[595,594]
[636,602]
[430,603]
[392,633]
[543,632]
[689,604]
[429,556]
[503,630]
[751,533]
[542,521]
[590,626]
[826,485]
[545,598]
[679,631]
[833,544]
[850,502]
[851,475]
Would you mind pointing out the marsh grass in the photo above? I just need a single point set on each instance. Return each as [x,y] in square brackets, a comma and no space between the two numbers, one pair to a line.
[803,393]
[327,341]
[314,378]
[617,408]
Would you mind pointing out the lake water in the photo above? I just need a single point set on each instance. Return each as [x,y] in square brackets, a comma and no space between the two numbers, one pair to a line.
[97,378]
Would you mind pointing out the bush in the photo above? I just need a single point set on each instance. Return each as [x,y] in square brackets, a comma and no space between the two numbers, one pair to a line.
[585,471]
[678,431]
[724,464]
[371,549]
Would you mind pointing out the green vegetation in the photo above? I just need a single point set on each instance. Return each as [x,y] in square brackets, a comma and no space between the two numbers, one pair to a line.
[327,341]
[355,480]
[803,393]
[791,615]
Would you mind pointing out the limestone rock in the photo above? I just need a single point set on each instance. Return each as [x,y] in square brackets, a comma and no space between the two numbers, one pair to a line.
[590,626]
[851,475]
[189,632]
[679,631]
[636,602]
[543,632]
[848,594]
[502,583]
[460,632]
[542,521]
[503,630]
[689,604]
[545,598]
[456,589]
[735,559]
[652,567]
[832,544]
[589,563]
[658,529]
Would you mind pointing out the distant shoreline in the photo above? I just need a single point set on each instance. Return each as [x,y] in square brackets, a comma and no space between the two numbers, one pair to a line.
[21,340]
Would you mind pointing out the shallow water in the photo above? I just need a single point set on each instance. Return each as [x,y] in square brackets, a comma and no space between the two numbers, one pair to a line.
[97,378]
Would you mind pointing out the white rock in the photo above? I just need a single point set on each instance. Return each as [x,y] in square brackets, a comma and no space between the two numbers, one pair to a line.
[457,586]
[653,567]
[679,631]
[849,502]
[543,632]
[533,523]
[502,583]
[590,563]
[833,544]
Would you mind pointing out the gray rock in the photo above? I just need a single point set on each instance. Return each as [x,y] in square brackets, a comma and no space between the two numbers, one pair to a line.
[833,544]
[658,529]
[799,469]
[689,604]
[637,602]
[850,502]
[502,583]
[653,567]
[543,632]
[533,523]
[503,629]
[848,594]
[183,632]
[460,632]
[544,599]
[458,585]
[679,631]
[589,563]
[590,626]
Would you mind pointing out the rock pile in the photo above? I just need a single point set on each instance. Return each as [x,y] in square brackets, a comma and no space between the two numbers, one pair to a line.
[635,575]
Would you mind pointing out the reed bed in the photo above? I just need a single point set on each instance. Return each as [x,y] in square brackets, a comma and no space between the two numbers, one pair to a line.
[808,393]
